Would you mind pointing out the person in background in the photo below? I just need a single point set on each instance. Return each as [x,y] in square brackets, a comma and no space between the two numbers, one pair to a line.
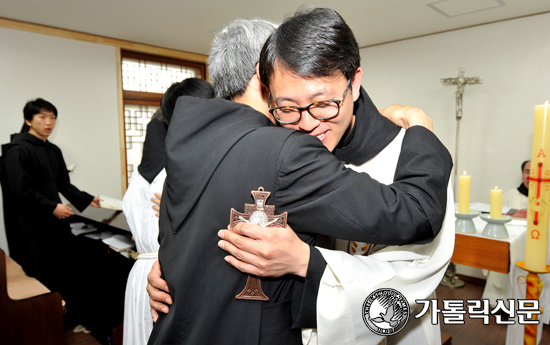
[145,181]
[33,173]
[518,197]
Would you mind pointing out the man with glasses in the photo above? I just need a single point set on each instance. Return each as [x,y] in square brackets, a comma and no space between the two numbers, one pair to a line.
[291,117]
[214,160]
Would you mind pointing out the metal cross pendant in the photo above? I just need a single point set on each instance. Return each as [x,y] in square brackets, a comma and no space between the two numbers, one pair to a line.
[259,214]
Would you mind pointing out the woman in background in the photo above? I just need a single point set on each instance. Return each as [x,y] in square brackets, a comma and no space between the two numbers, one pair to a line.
[136,204]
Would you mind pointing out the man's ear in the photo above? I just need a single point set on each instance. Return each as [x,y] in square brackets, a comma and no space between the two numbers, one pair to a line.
[257,75]
[264,88]
[255,81]
[356,83]
[28,122]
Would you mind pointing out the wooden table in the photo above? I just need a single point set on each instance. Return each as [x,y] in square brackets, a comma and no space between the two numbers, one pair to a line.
[115,219]
[106,273]
[492,254]
[496,255]
[484,253]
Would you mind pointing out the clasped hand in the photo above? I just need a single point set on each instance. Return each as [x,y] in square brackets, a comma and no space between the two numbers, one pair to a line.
[266,252]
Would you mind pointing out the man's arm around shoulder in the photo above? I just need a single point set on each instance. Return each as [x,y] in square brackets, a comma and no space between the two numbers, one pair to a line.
[313,184]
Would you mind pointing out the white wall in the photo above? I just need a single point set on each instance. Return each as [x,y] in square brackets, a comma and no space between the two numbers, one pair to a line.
[496,131]
[513,60]
[79,78]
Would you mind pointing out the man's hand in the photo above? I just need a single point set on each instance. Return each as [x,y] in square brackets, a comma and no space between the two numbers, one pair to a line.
[266,252]
[62,211]
[158,292]
[95,202]
[156,202]
[407,116]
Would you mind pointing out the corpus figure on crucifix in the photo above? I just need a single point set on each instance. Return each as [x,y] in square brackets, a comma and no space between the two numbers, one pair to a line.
[460,83]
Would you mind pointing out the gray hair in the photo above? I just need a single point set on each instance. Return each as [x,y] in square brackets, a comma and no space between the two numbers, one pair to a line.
[234,54]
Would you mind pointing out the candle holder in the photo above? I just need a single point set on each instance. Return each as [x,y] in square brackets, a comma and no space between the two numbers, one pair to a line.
[533,291]
[495,226]
[464,222]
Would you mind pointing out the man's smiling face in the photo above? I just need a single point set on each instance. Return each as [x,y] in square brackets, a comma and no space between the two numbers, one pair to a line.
[289,89]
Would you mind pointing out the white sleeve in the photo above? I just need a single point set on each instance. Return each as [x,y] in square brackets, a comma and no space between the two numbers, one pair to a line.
[133,200]
[413,270]
[137,207]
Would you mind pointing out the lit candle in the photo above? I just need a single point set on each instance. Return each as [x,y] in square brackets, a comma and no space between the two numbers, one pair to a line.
[464,193]
[496,203]
[536,239]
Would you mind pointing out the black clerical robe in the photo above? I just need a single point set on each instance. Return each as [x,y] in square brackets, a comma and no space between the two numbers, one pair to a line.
[152,159]
[214,159]
[33,174]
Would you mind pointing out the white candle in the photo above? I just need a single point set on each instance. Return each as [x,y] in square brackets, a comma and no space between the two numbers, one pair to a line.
[464,193]
[496,203]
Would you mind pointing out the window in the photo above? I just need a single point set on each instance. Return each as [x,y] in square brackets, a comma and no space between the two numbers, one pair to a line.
[151,76]
[136,118]
[145,78]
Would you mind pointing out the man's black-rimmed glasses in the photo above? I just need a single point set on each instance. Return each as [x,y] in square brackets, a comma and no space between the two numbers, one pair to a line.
[323,110]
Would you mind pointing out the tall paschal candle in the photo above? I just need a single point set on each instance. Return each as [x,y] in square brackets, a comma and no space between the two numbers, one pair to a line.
[536,240]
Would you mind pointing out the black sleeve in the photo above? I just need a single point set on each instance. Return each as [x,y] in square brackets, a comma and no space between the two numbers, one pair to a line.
[18,166]
[425,167]
[304,298]
[78,198]
[322,196]
[419,193]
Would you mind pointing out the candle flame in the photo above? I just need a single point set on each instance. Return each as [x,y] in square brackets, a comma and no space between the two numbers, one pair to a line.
[496,187]
[464,172]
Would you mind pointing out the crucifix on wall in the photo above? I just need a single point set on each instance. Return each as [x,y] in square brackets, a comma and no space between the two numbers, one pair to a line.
[460,83]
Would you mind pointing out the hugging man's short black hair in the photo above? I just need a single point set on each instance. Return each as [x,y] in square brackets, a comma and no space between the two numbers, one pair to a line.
[315,42]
